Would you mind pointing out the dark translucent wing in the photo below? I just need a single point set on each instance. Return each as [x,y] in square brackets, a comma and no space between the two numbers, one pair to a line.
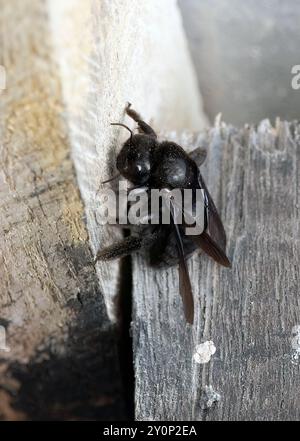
[184,278]
[198,155]
[213,239]
[211,248]
[215,227]
[186,291]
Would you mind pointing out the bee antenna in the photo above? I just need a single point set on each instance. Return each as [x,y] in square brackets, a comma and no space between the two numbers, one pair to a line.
[111,179]
[123,125]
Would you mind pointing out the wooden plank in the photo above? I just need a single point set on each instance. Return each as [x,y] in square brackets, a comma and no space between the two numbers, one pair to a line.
[51,306]
[109,64]
[62,362]
[68,76]
[250,313]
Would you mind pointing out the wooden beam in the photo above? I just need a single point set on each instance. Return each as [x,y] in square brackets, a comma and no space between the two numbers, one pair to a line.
[251,313]
[62,362]
[104,63]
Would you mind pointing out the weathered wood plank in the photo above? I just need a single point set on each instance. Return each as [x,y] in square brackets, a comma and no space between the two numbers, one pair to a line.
[71,66]
[62,362]
[250,312]
[104,57]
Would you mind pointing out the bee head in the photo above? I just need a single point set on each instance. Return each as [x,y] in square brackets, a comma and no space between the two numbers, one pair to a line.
[134,159]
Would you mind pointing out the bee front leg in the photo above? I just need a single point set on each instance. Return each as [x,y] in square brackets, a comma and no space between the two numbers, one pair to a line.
[143,127]
[120,249]
[126,246]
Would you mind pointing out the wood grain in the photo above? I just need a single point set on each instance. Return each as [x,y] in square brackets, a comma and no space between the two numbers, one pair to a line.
[62,362]
[102,65]
[68,76]
[249,312]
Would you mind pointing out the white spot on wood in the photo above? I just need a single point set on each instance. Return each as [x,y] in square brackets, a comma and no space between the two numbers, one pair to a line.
[295,342]
[204,352]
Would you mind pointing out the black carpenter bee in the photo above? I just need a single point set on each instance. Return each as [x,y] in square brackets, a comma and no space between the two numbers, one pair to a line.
[144,161]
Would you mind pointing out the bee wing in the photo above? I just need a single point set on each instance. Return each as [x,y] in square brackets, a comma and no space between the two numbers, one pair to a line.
[198,155]
[215,226]
[213,239]
[210,247]
[184,278]
[186,291]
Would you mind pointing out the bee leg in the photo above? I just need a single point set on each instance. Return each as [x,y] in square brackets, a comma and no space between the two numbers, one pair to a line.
[126,246]
[143,127]
[120,249]
[198,155]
